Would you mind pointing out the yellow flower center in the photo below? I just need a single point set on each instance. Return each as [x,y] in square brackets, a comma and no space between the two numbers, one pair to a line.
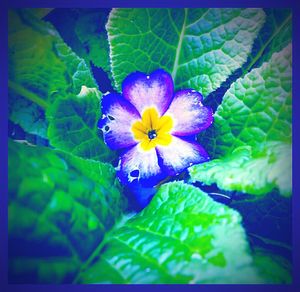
[152,130]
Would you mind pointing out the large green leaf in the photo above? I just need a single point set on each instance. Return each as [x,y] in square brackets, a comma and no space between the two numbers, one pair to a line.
[182,236]
[73,125]
[275,34]
[60,207]
[199,47]
[42,68]
[255,114]
[257,108]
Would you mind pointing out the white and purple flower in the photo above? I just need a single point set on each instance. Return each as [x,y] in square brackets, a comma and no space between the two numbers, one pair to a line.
[153,127]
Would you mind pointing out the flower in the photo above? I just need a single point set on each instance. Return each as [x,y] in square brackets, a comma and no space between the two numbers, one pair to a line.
[153,128]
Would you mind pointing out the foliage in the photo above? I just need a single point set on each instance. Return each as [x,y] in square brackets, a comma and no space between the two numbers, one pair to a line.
[60,207]
[69,219]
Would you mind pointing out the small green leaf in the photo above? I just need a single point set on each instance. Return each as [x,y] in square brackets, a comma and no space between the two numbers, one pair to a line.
[182,236]
[42,68]
[73,125]
[60,207]
[199,47]
[254,172]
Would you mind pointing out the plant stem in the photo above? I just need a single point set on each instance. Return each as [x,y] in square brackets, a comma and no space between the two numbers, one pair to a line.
[19,89]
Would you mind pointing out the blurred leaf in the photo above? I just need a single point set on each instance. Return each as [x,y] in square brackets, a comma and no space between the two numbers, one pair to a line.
[15,132]
[40,12]
[182,236]
[60,207]
[84,31]
[42,68]
[199,47]
[73,125]
[275,269]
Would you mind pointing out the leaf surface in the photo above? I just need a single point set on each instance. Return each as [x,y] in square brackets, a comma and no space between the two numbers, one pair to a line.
[252,130]
[182,236]
[90,29]
[275,35]
[199,47]
[42,68]
[73,125]
[84,31]
[249,171]
[60,207]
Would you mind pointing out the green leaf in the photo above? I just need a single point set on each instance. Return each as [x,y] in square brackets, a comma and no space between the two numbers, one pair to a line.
[30,116]
[42,68]
[60,207]
[257,108]
[182,236]
[40,12]
[275,35]
[84,31]
[273,211]
[250,170]
[90,29]
[199,47]
[73,125]
[256,115]
[275,269]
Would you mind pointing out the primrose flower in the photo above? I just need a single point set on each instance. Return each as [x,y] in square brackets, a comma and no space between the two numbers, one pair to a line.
[153,128]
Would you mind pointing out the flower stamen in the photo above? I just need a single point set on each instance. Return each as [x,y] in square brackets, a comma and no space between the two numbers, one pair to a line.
[152,130]
[152,134]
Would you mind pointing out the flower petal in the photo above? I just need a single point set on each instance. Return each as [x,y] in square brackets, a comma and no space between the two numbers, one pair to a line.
[148,144]
[119,117]
[165,124]
[150,118]
[140,132]
[180,154]
[189,115]
[155,90]
[163,139]
[141,165]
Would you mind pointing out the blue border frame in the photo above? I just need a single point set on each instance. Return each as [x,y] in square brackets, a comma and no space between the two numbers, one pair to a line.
[150,3]
[3,145]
